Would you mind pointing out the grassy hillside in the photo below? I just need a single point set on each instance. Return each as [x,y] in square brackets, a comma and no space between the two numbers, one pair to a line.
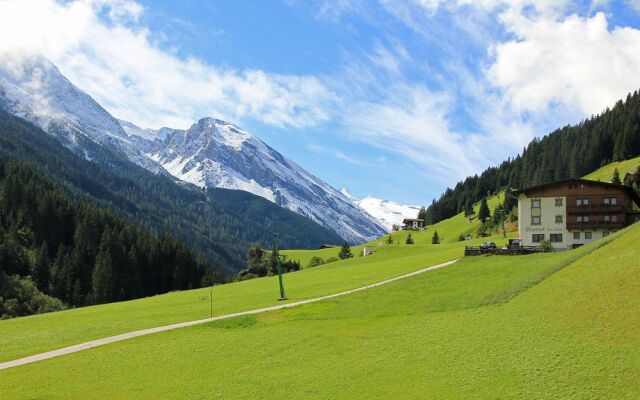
[449,231]
[605,173]
[29,335]
[559,325]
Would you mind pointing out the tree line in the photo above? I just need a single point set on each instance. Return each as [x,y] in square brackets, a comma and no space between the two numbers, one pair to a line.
[571,151]
[56,252]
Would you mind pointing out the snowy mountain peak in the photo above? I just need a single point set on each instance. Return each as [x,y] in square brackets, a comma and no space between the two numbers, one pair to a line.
[224,132]
[387,212]
[347,194]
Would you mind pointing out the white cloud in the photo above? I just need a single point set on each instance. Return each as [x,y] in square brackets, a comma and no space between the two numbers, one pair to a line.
[117,63]
[576,62]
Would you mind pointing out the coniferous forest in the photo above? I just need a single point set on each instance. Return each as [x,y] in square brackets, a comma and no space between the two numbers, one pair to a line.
[572,151]
[55,252]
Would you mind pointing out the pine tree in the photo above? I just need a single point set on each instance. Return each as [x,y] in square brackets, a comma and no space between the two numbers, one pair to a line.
[469,212]
[616,177]
[409,239]
[103,280]
[41,269]
[435,239]
[484,213]
[345,251]
[389,239]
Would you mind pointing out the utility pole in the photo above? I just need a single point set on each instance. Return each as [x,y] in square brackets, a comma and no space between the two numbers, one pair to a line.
[276,257]
[211,301]
[504,231]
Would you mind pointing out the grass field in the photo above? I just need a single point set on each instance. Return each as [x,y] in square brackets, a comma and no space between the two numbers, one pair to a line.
[34,334]
[560,325]
[605,173]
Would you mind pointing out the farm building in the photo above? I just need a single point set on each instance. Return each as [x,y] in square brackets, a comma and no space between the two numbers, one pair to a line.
[574,212]
[414,224]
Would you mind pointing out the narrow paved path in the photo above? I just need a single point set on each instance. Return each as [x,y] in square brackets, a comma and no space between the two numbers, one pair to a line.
[112,339]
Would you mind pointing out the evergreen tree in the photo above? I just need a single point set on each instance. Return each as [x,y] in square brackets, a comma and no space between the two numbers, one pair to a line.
[389,239]
[469,212]
[484,214]
[616,177]
[40,274]
[435,239]
[103,274]
[345,251]
[409,239]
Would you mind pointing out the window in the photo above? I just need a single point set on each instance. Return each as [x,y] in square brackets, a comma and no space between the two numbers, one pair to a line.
[558,201]
[535,203]
[587,235]
[537,237]
[614,218]
[605,234]
[559,219]
[614,201]
[582,202]
[610,201]
[576,235]
[578,202]
[582,218]
[535,220]
[607,218]
[555,238]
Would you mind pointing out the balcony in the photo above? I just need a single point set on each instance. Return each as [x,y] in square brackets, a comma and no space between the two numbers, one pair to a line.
[595,208]
[604,225]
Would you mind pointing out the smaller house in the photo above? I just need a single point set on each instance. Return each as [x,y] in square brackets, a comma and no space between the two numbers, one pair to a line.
[414,224]
[367,251]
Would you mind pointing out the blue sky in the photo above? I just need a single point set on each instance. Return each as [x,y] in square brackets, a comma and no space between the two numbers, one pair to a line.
[398,99]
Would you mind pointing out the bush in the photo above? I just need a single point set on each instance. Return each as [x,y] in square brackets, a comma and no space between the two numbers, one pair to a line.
[546,246]
[315,261]
[461,238]
[331,259]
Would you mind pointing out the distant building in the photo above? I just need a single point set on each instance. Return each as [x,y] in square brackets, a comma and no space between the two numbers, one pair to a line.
[367,250]
[414,224]
[574,212]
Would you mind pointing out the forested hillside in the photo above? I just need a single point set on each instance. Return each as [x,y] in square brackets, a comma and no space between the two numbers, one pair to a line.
[572,151]
[218,224]
[52,248]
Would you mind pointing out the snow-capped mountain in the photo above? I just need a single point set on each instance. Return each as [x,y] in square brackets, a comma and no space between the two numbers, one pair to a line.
[211,153]
[35,90]
[387,212]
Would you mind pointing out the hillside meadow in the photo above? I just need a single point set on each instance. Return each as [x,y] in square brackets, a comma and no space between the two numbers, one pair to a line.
[559,325]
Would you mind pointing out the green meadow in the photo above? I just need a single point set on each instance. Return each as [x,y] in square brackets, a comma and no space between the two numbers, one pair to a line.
[558,325]
[605,173]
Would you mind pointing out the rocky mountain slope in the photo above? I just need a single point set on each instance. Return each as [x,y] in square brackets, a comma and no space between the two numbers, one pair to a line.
[211,153]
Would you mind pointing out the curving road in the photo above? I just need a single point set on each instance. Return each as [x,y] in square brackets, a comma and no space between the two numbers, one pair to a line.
[112,339]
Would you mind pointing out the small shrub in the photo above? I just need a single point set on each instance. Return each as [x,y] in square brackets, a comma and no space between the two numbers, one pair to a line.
[435,239]
[461,238]
[409,239]
[546,246]
[315,261]
[331,259]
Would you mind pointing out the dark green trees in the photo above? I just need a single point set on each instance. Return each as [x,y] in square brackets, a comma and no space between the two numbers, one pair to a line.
[483,213]
[345,251]
[409,239]
[616,177]
[54,248]
[436,238]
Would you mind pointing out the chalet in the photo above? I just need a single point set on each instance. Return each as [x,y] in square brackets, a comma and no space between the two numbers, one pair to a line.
[574,212]
[414,224]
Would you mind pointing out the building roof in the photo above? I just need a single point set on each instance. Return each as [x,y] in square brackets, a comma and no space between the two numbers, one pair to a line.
[412,219]
[628,189]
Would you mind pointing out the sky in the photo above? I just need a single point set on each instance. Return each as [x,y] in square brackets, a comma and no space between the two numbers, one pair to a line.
[398,99]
